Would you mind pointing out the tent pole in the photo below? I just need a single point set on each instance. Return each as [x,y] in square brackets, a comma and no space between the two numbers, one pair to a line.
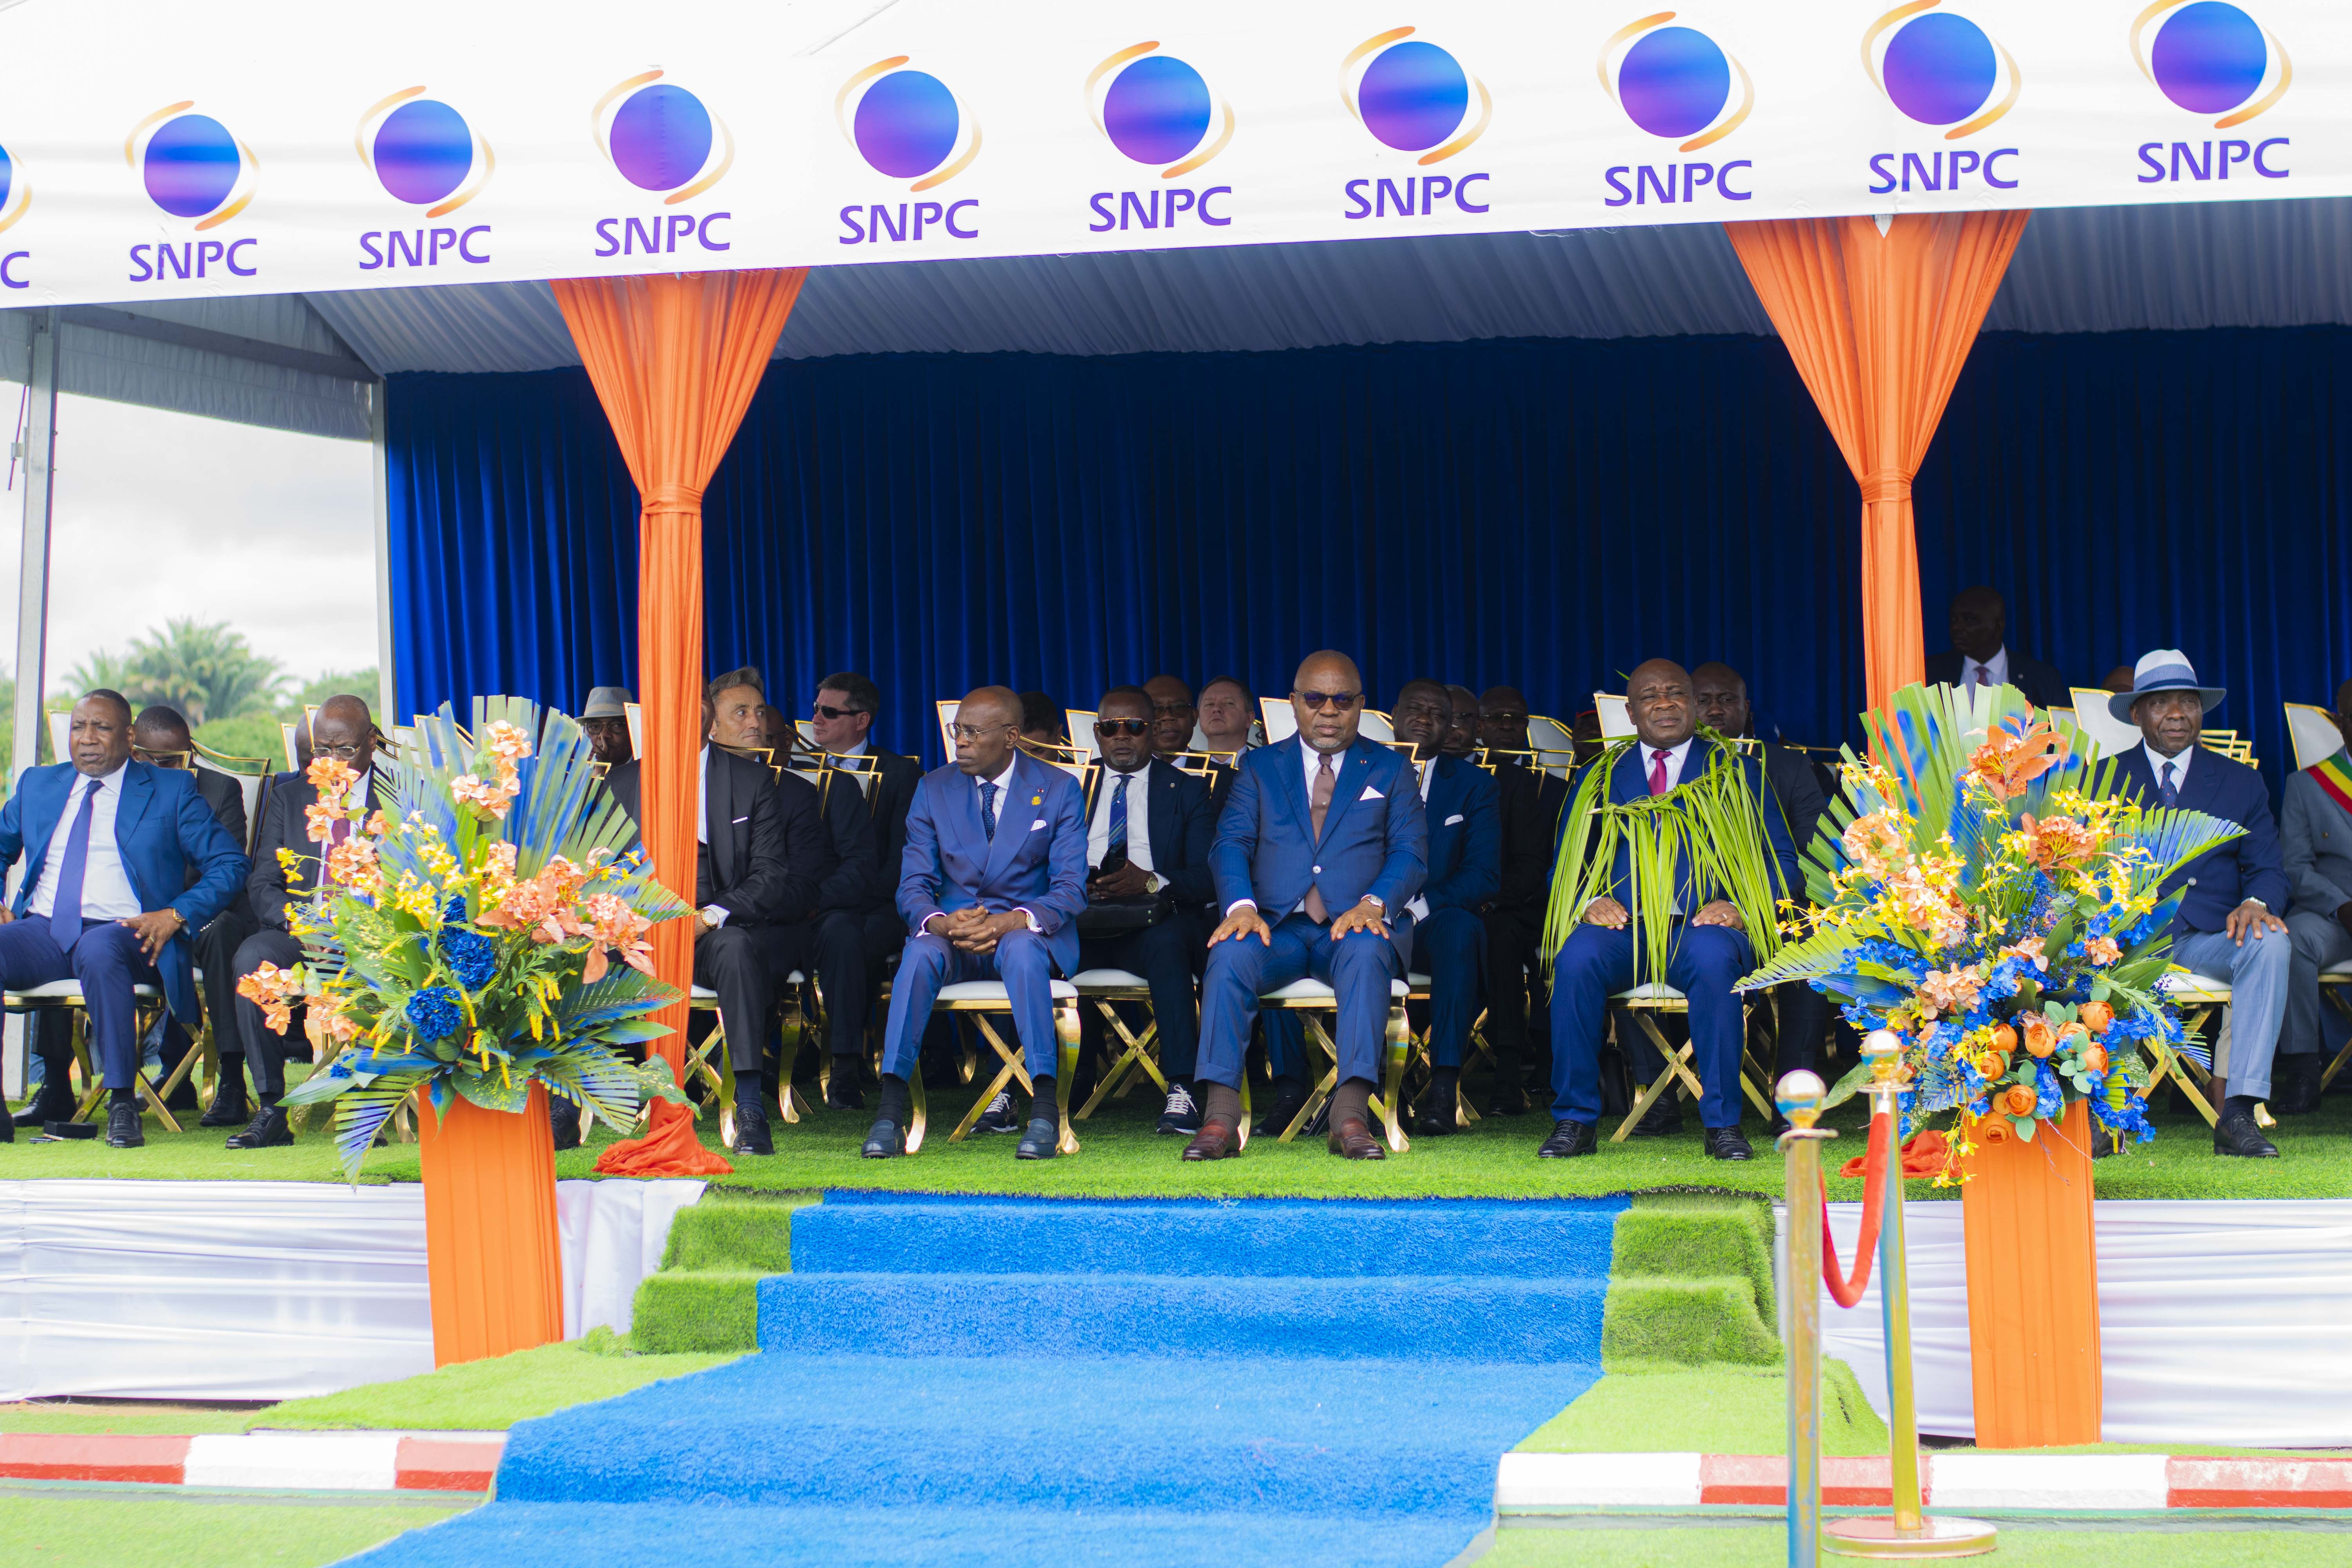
[40,446]
[385,715]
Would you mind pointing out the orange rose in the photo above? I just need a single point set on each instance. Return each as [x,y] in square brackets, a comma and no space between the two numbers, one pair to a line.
[2095,1057]
[2096,1017]
[2004,1038]
[2039,1038]
[1992,1130]
[2017,1099]
[1991,1064]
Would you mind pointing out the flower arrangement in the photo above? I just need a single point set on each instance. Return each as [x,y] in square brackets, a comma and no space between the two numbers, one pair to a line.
[462,940]
[1982,892]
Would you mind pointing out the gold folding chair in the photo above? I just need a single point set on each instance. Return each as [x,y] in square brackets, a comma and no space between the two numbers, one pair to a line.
[1642,1004]
[1319,1001]
[65,995]
[716,1067]
[1138,1054]
[2333,981]
[2201,996]
[1417,990]
[984,999]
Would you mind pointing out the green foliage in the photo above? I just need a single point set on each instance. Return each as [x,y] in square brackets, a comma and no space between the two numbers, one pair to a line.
[1653,1321]
[201,668]
[246,735]
[363,684]
[722,1234]
[1712,1409]
[489,1395]
[1695,1236]
[700,1312]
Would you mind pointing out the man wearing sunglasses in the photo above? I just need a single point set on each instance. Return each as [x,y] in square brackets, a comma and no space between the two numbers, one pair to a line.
[1147,828]
[1321,846]
[990,886]
[853,944]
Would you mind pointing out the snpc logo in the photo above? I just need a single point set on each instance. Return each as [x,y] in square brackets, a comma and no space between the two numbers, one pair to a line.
[422,152]
[662,138]
[1675,82]
[1940,68]
[2209,58]
[15,190]
[191,165]
[906,125]
[1413,96]
[1157,110]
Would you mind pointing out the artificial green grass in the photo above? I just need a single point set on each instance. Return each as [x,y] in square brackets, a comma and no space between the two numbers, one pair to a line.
[1698,1235]
[1694,1322]
[488,1395]
[142,1420]
[137,1531]
[1707,1410]
[1765,1546]
[727,1232]
[709,1311]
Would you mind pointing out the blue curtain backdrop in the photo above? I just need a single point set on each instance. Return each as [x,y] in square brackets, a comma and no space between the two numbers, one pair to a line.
[1542,512]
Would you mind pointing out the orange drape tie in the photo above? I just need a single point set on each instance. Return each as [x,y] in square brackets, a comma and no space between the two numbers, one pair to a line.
[1879,323]
[675,361]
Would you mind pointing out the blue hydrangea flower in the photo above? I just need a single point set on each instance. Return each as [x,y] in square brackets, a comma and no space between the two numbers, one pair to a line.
[471,956]
[433,1012]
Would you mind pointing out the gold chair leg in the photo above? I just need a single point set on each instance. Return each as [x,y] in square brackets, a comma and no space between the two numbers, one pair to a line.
[1322,1092]
[1066,1039]
[918,1112]
[1011,1069]
[1241,1134]
[1400,1048]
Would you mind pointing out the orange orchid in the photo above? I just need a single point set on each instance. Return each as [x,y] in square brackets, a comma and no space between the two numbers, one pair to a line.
[2009,760]
[2103,950]
[273,991]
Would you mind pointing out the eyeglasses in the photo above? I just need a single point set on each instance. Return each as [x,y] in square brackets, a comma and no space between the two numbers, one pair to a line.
[344,753]
[1318,700]
[1172,708]
[974,731]
[160,759]
[823,711]
[1109,727]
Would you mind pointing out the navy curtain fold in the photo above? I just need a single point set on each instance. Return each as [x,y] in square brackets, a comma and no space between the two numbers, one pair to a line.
[1543,512]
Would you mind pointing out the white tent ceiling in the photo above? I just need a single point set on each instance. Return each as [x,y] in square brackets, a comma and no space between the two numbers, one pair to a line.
[301,362]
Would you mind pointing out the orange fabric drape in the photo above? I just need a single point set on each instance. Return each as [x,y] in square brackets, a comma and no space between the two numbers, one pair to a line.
[2033,1288]
[1879,325]
[492,1255]
[675,361]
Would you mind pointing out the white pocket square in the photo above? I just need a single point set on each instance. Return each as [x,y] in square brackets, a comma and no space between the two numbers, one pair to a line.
[742,820]
[1036,825]
[1453,819]
[1372,793]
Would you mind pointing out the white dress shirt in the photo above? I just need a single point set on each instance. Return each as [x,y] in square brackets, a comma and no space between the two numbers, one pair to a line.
[106,890]
[2178,764]
[1996,669]
[1675,757]
[1314,765]
[1003,783]
[1138,819]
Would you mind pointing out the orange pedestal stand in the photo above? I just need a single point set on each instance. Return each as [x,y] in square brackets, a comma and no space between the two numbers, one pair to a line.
[491,1240]
[2034,1288]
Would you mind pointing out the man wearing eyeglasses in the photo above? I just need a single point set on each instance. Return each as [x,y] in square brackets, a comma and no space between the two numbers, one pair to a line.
[344,729]
[1448,935]
[854,943]
[1321,846]
[1147,829]
[990,886]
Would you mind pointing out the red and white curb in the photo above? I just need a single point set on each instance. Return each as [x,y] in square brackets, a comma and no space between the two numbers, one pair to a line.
[274,1461]
[2100,1483]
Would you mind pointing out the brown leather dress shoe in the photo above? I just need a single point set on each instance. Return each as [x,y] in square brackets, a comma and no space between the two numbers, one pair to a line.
[1217,1139]
[1353,1136]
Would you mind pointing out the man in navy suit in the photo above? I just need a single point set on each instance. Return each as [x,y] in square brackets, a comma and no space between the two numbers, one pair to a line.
[1531,800]
[991,885]
[1711,950]
[1321,846]
[123,862]
[2233,896]
[1462,812]
[1981,653]
[1148,845]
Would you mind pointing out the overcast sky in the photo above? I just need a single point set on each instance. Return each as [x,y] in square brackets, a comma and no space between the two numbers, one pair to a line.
[162,514]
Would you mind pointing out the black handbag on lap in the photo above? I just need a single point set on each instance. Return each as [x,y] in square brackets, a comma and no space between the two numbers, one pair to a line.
[1122,917]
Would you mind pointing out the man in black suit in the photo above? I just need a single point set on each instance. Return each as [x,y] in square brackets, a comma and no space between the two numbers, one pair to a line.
[854,941]
[1148,831]
[342,729]
[160,738]
[757,873]
[1531,803]
[1981,655]
[1802,1013]
[1172,715]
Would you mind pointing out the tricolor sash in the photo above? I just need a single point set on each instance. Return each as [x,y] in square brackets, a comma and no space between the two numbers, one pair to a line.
[2335,777]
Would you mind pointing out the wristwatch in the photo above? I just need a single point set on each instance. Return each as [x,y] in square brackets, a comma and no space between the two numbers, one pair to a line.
[1376,901]
[1152,882]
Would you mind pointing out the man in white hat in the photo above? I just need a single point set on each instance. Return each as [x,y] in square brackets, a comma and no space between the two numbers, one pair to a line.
[2229,925]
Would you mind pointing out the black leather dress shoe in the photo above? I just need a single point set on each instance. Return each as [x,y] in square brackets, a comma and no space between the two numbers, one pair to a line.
[267,1131]
[841,1090]
[2237,1135]
[1568,1139]
[1726,1143]
[2294,1085]
[563,1122]
[1433,1117]
[122,1128]
[752,1128]
[886,1140]
[45,1107]
[1042,1139]
[1663,1120]
[227,1109]
[1000,1117]
[1289,1102]
[1508,1100]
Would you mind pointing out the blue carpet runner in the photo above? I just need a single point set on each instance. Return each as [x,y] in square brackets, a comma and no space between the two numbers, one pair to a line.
[1081,1382]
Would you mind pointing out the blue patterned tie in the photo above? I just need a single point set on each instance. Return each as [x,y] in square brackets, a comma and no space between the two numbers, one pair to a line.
[65,909]
[2167,790]
[1118,821]
[988,810]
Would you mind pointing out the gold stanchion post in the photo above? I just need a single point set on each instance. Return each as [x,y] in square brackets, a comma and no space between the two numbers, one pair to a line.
[1909,1533]
[1799,1097]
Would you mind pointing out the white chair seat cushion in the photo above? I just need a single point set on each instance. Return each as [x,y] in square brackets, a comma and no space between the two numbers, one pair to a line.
[703,994]
[1656,991]
[2196,985]
[1417,981]
[795,978]
[1317,991]
[1108,980]
[2343,969]
[70,991]
[994,991]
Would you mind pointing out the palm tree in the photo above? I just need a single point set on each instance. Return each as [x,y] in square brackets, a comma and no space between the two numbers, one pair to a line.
[204,670]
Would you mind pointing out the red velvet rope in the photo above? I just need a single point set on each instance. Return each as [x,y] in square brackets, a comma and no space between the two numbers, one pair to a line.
[1845,1292]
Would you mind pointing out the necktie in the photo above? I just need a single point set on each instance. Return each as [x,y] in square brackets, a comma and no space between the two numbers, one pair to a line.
[1317,804]
[2167,789]
[1984,677]
[1118,821]
[65,909]
[988,810]
[1657,772]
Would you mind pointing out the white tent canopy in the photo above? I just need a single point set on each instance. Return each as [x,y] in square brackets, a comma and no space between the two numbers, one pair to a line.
[303,361]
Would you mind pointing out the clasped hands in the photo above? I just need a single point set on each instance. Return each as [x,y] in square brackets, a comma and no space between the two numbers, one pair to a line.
[1607,912]
[973,929]
[1244,921]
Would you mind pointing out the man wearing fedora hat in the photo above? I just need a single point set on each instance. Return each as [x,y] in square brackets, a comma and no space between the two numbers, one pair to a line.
[605,717]
[2228,924]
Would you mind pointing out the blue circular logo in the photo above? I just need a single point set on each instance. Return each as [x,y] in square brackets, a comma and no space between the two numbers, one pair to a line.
[2209,58]
[1940,68]
[661,138]
[1157,110]
[423,150]
[191,165]
[1413,96]
[1675,81]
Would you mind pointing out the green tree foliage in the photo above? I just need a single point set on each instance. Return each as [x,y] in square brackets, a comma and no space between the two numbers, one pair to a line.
[203,668]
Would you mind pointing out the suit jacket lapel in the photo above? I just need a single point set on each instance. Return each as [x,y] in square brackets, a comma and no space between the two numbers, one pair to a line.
[1290,780]
[718,818]
[1014,814]
[2204,780]
[138,793]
